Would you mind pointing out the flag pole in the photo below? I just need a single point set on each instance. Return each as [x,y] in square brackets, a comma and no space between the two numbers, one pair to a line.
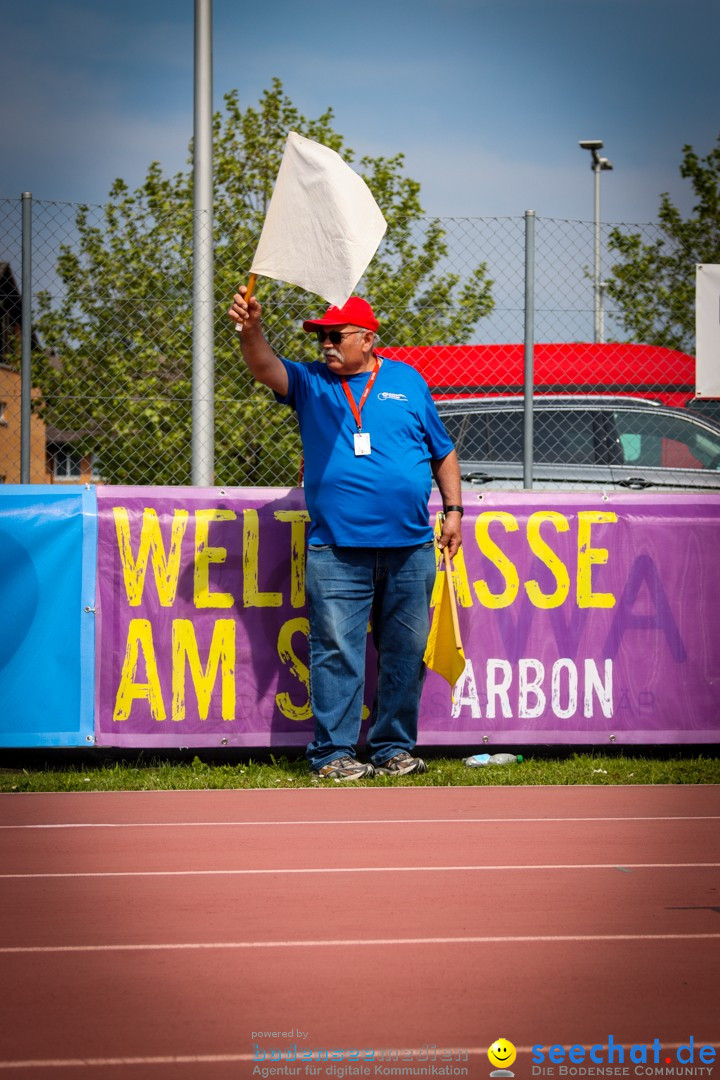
[453,602]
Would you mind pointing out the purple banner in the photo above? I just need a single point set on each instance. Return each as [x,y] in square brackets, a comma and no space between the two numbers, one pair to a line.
[585,619]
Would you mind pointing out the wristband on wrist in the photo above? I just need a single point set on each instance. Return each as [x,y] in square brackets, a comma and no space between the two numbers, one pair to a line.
[460,510]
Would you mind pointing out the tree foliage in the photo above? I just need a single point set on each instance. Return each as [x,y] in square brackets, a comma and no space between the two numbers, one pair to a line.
[653,284]
[119,337]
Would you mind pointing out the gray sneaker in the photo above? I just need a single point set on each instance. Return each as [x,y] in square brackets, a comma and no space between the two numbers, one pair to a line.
[401,765]
[344,768]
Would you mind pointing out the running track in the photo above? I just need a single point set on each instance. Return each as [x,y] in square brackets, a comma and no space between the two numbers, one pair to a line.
[149,934]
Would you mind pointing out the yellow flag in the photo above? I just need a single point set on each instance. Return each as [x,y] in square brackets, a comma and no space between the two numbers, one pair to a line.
[443,653]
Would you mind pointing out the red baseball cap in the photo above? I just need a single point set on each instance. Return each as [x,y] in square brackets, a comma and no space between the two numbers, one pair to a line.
[355,312]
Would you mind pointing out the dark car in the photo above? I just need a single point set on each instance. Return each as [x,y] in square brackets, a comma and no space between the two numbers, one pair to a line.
[707,407]
[619,443]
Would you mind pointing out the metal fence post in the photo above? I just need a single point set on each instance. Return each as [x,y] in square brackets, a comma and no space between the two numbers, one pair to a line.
[26,338]
[203,374]
[529,351]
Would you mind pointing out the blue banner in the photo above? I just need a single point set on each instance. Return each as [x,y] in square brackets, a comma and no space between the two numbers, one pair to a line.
[48,543]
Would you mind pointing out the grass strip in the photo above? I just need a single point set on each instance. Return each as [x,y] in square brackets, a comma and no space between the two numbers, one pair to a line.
[140,772]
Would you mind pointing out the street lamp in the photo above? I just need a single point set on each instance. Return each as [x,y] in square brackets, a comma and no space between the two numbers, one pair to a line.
[598,165]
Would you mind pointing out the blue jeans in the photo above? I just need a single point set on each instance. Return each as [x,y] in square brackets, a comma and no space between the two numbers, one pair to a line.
[344,587]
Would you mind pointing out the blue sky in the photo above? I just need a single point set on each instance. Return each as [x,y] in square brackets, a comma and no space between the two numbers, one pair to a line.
[487,99]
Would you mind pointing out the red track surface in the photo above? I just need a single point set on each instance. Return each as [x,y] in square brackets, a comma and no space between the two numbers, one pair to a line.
[151,934]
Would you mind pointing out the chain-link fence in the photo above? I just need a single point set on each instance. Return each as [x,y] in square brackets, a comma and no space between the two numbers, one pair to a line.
[112,352]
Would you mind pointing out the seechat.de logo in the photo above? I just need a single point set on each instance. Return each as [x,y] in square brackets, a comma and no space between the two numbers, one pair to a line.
[688,1059]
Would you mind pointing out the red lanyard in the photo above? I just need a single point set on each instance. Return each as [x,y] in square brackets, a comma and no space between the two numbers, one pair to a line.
[357,409]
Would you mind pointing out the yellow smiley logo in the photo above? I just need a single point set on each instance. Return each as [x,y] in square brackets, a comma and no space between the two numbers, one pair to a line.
[502,1054]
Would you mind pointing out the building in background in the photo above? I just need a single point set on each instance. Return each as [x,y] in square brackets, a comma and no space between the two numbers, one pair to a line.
[53,457]
[10,332]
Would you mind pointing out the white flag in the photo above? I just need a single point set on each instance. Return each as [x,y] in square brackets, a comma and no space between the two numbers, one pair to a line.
[322,227]
[707,330]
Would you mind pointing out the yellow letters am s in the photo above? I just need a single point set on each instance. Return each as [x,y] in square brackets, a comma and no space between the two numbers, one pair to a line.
[287,654]
[139,640]
[184,654]
[221,655]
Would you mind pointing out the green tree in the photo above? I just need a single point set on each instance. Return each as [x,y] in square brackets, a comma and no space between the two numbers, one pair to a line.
[119,338]
[653,284]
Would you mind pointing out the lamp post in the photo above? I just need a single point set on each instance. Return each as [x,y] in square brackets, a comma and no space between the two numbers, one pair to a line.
[598,164]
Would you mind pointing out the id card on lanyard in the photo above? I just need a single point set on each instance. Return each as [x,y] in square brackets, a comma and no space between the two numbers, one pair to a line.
[361,438]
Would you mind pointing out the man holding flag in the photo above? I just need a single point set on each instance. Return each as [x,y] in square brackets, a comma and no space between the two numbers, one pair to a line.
[372,440]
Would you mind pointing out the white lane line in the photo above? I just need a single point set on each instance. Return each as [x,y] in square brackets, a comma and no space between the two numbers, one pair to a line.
[362,870]
[353,821]
[125,1062]
[514,939]
[368,1057]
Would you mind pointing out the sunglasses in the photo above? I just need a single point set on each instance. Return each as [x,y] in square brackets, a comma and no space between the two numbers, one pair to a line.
[335,336]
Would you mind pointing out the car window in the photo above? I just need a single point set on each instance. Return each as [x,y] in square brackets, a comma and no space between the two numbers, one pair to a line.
[468,430]
[565,436]
[453,425]
[486,435]
[505,435]
[669,442]
[561,436]
[709,407]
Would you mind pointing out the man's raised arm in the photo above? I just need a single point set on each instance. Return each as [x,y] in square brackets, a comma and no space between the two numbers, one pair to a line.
[264,365]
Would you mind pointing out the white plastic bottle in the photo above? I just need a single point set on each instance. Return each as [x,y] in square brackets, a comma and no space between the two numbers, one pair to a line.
[493,759]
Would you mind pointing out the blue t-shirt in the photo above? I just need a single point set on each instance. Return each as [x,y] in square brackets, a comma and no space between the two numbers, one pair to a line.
[378,499]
